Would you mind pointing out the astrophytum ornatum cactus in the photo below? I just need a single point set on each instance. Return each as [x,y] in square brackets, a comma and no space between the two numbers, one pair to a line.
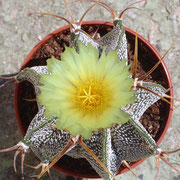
[90,99]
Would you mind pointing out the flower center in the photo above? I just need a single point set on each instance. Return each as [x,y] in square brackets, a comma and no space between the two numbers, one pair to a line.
[92,96]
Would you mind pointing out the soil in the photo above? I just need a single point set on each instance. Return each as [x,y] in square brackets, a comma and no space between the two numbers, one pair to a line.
[154,118]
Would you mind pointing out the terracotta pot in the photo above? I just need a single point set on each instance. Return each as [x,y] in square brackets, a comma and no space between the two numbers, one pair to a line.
[152,56]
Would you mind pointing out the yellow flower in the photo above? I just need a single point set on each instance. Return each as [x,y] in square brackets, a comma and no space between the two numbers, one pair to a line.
[86,92]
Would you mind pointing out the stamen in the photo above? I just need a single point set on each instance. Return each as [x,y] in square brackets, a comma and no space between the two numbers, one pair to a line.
[85,92]
[82,97]
[48,14]
[90,100]
[89,90]
[95,157]
[90,96]
[85,101]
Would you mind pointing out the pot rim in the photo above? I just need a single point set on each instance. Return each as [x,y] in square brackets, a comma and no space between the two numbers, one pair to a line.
[30,55]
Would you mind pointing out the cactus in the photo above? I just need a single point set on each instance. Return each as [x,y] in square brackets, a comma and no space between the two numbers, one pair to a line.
[90,104]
